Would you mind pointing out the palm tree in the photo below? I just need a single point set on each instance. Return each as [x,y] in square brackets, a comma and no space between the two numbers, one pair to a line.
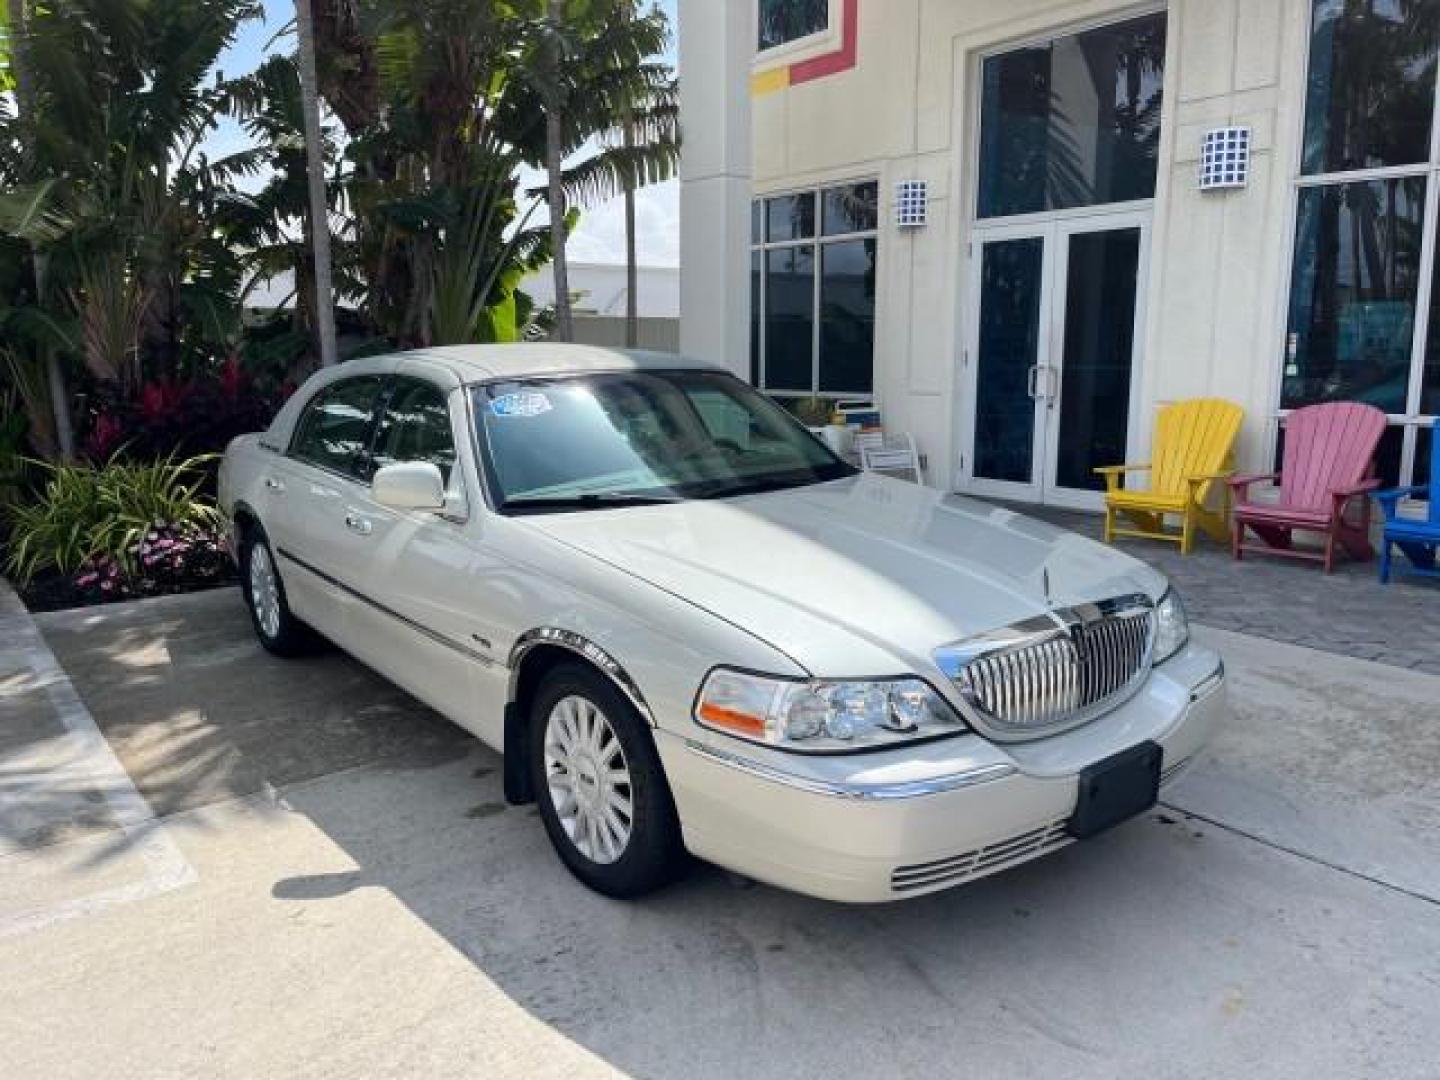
[22,79]
[641,146]
[648,153]
[104,176]
[439,111]
[270,226]
[319,216]
[593,72]
[554,93]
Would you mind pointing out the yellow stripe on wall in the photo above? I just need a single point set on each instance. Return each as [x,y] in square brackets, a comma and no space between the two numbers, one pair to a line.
[769,82]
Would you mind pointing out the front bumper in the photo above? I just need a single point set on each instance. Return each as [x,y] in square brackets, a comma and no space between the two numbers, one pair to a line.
[878,827]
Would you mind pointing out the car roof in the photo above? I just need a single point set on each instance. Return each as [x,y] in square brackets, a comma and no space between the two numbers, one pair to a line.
[480,363]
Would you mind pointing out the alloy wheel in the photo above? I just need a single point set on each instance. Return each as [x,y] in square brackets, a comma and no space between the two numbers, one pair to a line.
[589,780]
[264,591]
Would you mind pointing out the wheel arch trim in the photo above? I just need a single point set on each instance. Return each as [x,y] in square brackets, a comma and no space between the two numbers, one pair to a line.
[583,647]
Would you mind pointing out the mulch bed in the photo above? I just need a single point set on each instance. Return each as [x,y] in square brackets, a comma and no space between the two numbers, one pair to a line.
[55,592]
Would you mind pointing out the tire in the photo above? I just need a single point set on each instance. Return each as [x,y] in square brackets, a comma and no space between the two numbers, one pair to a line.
[279,631]
[582,800]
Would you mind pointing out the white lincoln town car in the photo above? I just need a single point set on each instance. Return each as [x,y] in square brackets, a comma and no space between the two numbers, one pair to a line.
[689,627]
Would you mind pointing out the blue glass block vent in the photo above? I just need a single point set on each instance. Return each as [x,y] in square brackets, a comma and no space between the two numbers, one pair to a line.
[1225,159]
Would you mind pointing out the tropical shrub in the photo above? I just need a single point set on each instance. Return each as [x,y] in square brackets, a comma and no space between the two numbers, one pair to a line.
[12,439]
[168,559]
[87,518]
[172,418]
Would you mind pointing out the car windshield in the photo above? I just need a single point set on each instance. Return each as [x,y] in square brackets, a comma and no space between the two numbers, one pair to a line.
[641,437]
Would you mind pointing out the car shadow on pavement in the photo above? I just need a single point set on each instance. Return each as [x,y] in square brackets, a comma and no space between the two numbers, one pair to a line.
[1098,960]
[1164,941]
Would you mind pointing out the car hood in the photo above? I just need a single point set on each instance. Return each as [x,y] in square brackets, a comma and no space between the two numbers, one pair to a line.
[859,577]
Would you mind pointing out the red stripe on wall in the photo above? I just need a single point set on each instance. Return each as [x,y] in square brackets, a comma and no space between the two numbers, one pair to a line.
[841,60]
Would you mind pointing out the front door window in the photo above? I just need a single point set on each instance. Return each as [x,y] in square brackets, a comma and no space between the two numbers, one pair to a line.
[334,432]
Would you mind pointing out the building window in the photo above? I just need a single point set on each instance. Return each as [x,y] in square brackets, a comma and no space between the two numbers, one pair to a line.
[1364,321]
[812,267]
[1074,121]
[784,21]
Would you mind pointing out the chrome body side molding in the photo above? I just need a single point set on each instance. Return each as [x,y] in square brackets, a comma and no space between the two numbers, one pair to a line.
[423,631]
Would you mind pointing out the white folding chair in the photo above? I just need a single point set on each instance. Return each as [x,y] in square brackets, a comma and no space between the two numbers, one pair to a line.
[892,455]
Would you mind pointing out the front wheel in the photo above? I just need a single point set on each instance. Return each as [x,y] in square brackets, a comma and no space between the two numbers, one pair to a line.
[602,791]
[277,628]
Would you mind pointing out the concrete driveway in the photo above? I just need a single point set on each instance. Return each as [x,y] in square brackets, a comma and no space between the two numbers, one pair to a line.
[214,863]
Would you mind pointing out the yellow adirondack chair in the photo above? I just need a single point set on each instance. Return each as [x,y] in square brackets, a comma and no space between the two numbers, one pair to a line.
[1192,456]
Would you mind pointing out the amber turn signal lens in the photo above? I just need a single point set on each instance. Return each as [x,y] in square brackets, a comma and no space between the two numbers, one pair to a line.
[732,720]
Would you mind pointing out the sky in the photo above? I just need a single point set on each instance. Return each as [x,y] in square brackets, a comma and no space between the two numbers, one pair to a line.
[601,235]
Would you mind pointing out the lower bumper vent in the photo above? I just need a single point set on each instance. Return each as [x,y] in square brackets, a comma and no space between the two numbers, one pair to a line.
[981,861]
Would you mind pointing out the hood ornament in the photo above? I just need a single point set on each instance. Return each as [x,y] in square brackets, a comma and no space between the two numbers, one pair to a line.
[1045,584]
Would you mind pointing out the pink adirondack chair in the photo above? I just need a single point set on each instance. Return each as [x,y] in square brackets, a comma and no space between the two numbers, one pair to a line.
[1329,462]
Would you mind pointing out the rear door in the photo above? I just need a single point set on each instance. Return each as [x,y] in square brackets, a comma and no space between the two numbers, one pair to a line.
[323,540]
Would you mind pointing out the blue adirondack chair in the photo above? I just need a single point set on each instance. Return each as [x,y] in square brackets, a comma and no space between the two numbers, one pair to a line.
[1418,538]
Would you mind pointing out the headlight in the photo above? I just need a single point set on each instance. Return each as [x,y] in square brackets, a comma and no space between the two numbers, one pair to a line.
[1172,628]
[823,717]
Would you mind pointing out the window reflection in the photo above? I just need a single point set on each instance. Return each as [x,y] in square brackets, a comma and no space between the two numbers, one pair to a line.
[334,432]
[416,427]
[1430,376]
[1372,83]
[1012,274]
[812,328]
[1073,122]
[1099,353]
[852,208]
[790,217]
[1352,302]
[757,278]
[784,21]
[847,316]
[789,317]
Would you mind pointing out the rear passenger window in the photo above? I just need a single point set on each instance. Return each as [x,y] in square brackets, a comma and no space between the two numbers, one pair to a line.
[334,431]
[415,426]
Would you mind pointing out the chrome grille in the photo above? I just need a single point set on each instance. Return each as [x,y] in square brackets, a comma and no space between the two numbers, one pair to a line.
[1058,670]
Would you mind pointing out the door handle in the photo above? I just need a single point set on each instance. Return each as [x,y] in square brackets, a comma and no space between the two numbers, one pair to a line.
[1052,380]
[1032,381]
[273,484]
[357,524]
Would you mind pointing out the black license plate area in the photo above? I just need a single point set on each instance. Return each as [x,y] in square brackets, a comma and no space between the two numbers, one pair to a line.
[1117,789]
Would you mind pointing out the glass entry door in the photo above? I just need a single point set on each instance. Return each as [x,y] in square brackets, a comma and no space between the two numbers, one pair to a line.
[1050,366]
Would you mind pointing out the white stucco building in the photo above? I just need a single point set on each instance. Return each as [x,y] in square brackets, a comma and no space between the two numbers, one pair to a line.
[1070,273]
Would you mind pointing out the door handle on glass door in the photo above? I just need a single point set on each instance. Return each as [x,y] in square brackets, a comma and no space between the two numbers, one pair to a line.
[1032,381]
[357,524]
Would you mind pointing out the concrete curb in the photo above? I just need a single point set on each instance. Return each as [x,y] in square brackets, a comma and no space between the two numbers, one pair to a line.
[79,757]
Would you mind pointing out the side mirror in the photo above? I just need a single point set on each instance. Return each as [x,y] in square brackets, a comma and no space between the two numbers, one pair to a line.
[411,485]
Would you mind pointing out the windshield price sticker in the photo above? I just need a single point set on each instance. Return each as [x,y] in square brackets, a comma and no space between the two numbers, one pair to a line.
[525,404]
